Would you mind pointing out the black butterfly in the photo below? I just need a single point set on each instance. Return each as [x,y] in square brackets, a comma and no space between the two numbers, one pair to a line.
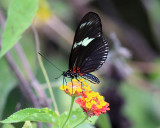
[89,49]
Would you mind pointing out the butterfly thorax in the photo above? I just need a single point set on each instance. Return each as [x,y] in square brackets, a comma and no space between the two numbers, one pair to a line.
[69,74]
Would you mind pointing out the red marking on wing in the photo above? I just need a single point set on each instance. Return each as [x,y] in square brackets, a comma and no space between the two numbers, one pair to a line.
[76,70]
[89,70]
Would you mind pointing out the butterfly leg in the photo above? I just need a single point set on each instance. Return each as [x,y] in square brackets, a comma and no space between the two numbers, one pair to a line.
[81,88]
[81,83]
[63,81]
[72,85]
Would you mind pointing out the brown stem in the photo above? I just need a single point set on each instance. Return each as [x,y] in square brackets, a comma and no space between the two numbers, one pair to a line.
[23,83]
[33,81]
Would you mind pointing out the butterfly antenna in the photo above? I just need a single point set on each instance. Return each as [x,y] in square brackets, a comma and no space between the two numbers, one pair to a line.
[50,62]
[58,77]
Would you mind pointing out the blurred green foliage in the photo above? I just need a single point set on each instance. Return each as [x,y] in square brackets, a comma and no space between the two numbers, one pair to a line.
[7,83]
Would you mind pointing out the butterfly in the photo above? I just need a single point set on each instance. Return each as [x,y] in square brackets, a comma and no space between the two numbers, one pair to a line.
[89,50]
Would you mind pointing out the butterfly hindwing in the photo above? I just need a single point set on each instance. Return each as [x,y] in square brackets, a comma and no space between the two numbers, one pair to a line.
[91,78]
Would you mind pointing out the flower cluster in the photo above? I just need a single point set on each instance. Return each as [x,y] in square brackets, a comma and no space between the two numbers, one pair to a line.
[75,87]
[91,102]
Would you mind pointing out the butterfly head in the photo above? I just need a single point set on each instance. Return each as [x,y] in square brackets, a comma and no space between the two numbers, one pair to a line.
[65,74]
[69,74]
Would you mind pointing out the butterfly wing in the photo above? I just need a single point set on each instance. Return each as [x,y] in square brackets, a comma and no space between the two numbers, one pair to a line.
[89,49]
[95,55]
[91,78]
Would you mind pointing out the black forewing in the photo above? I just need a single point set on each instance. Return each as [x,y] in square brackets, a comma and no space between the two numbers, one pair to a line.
[94,56]
[89,27]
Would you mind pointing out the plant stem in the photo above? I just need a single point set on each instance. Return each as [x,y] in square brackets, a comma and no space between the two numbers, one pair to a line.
[44,71]
[42,98]
[70,110]
[82,120]
[24,86]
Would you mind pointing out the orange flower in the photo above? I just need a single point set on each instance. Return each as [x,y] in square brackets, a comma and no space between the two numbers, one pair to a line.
[75,87]
[93,103]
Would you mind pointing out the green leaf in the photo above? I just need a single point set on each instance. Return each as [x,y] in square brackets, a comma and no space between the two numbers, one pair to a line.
[8,126]
[76,117]
[92,120]
[32,114]
[20,15]
[27,124]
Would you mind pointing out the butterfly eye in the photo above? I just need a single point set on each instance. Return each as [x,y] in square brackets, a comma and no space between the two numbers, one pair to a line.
[65,74]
